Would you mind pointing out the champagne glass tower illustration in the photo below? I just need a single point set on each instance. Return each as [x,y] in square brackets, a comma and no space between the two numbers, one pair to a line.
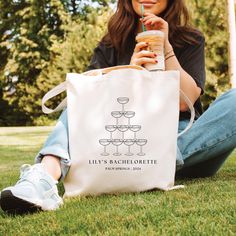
[129,143]
[122,139]
[117,143]
[104,142]
[123,129]
[135,129]
[111,129]
[141,143]
[117,115]
[123,101]
[129,114]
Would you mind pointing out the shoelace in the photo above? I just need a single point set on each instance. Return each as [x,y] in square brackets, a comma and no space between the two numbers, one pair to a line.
[25,171]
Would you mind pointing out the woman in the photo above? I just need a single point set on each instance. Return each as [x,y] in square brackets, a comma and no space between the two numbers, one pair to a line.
[201,151]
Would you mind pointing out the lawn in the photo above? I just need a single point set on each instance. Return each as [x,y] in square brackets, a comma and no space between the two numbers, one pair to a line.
[205,207]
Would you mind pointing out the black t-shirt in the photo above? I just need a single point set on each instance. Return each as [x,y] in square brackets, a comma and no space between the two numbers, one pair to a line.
[191,58]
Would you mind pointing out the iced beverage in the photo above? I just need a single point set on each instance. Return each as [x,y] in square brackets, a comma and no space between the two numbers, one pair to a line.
[155,40]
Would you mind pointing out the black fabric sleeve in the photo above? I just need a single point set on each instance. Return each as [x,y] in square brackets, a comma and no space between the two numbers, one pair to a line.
[103,56]
[192,60]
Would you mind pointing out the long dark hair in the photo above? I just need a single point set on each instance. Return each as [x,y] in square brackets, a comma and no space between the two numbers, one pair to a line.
[123,25]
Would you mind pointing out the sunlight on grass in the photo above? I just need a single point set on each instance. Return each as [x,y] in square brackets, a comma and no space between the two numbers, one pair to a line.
[205,207]
[27,136]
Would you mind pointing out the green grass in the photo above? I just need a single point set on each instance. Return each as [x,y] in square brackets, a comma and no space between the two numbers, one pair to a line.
[205,207]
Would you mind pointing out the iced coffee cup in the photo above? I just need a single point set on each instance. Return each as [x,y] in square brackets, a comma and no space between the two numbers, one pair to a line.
[155,40]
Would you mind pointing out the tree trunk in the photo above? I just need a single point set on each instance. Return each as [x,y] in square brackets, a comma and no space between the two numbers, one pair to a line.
[232,42]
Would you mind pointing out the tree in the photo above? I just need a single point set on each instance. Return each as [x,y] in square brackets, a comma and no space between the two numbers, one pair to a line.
[28,51]
[71,55]
[82,8]
[232,41]
[40,41]
[9,29]
[31,45]
[211,18]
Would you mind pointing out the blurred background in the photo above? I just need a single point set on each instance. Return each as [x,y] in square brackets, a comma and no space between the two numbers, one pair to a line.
[42,40]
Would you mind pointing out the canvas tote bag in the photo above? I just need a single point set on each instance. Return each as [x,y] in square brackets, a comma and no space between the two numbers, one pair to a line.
[123,127]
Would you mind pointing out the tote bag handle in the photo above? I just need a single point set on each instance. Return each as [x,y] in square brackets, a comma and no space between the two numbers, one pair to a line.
[109,69]
[192,110]
[62,87]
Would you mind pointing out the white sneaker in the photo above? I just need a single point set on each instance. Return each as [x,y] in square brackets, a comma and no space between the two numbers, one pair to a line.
[35,190]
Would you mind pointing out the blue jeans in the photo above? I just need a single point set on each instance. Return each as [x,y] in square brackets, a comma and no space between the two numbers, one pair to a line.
[201,150]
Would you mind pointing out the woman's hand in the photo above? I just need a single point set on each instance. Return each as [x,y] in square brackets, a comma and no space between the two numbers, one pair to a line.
[141,56]
[153,22]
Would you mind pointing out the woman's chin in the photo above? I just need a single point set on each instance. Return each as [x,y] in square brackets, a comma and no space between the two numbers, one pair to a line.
[150,10]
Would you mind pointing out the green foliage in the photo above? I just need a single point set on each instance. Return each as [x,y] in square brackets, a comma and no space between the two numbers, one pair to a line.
[9,29]
[211,18]
[34,53]
[41,41]
[82,8]
[72,54]
[44,120]
[28,53]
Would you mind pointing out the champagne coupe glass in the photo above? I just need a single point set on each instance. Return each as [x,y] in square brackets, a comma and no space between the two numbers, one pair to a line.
[129,114]
[104,142]
[129,142]
[111,129]
[123,113]
[117,142]
[141,143]
[123,101]
[116,114]
[123,128]
[135,129]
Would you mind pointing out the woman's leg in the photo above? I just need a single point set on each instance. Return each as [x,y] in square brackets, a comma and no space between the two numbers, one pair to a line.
[211,139]
[205,168]
[52,166]
[56,150]
[36,188]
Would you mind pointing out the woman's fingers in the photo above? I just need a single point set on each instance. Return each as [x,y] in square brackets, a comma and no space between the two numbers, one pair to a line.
[139,46]
[143,60]
[141,56]
[153,20]
[145,53]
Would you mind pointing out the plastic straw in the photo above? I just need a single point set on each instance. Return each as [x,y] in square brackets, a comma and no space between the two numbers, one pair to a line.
[142,11]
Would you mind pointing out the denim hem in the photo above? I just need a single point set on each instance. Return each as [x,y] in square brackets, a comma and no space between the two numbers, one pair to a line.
[60,153]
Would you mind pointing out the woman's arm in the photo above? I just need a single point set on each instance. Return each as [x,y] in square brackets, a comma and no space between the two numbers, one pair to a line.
[187,83]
